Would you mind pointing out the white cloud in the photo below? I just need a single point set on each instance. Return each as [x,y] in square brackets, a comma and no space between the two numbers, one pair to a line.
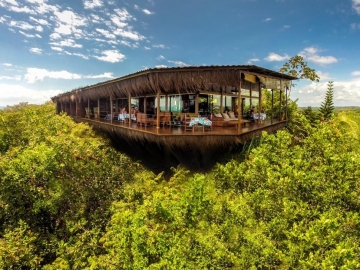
[355,73]
[16,77]
[36,50]
[21,9]
[56,48]
[70,18]
[356,5]
[311,54]
[40,21]
[128,34]
[346,93]
[179,63]
[268,19]
[90,4]
[252,60]
[25,26]
[112,56]
[286,26]
[147,12]
[15,94]
[160,66]
[161,46]
[7,64]
[77,54]
[147,48]
[323,75]
[106,33]
[66,43]
[3,19]
[160,57]
[38,74]
[275,57]
[107,75]
[29,35]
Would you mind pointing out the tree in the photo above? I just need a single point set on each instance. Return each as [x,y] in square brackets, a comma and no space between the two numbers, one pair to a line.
[327,107]
[311,115]
[297,67]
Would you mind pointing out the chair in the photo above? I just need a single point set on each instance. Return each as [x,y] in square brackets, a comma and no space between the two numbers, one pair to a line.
[188,126]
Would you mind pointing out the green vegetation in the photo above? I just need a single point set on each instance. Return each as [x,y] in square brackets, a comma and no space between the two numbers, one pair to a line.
[68,201]
[327,107]
[297,67]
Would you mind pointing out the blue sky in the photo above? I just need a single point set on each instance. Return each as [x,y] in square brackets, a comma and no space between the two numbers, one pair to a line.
[52,46]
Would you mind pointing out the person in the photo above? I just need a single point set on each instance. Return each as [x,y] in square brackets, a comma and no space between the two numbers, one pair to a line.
[123,110]
[133,111]
[252,112]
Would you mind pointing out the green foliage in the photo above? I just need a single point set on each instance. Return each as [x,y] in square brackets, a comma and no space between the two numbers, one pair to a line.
[68,201]
[327,107]
[297,67]
[278,109]
[311,115]
[59,178]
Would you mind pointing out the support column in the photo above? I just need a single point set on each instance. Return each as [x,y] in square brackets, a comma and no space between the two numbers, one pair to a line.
[166,103]
[239,105]
[111,109]
[98,108]
[158,109]
[260,101]
[197,104]
[129,102]
[221,101]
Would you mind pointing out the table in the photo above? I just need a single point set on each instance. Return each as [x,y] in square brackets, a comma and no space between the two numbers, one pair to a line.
[262,116]
[123,116]
[200,120]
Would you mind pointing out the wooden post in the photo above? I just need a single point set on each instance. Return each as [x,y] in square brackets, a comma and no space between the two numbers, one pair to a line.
[129,100]
[250,97]
[239,105]
[260,101]
[166,103]
[111,109]
[197,104]
[158,109]
[145,104]
[98,102]
[221,101]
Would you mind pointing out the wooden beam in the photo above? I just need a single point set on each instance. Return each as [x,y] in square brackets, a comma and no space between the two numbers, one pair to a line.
[239,106]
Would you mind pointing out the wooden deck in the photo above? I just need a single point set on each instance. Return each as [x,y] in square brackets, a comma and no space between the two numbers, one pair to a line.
[176,135]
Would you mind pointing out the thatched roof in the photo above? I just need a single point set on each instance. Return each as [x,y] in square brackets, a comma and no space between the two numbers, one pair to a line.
[178,80]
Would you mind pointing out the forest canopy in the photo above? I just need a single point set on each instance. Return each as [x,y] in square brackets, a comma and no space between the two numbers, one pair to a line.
[68,200]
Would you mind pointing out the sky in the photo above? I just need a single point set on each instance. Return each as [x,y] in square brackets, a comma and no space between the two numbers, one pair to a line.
[48,47]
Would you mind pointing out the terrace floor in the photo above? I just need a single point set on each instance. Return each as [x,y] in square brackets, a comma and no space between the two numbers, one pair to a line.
[170,145]
[179,130]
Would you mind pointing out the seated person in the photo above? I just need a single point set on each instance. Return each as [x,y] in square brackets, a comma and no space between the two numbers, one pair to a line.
[123,110]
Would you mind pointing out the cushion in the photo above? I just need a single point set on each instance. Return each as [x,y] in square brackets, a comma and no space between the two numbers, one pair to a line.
[225,115]
[231,114]
[217,115]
